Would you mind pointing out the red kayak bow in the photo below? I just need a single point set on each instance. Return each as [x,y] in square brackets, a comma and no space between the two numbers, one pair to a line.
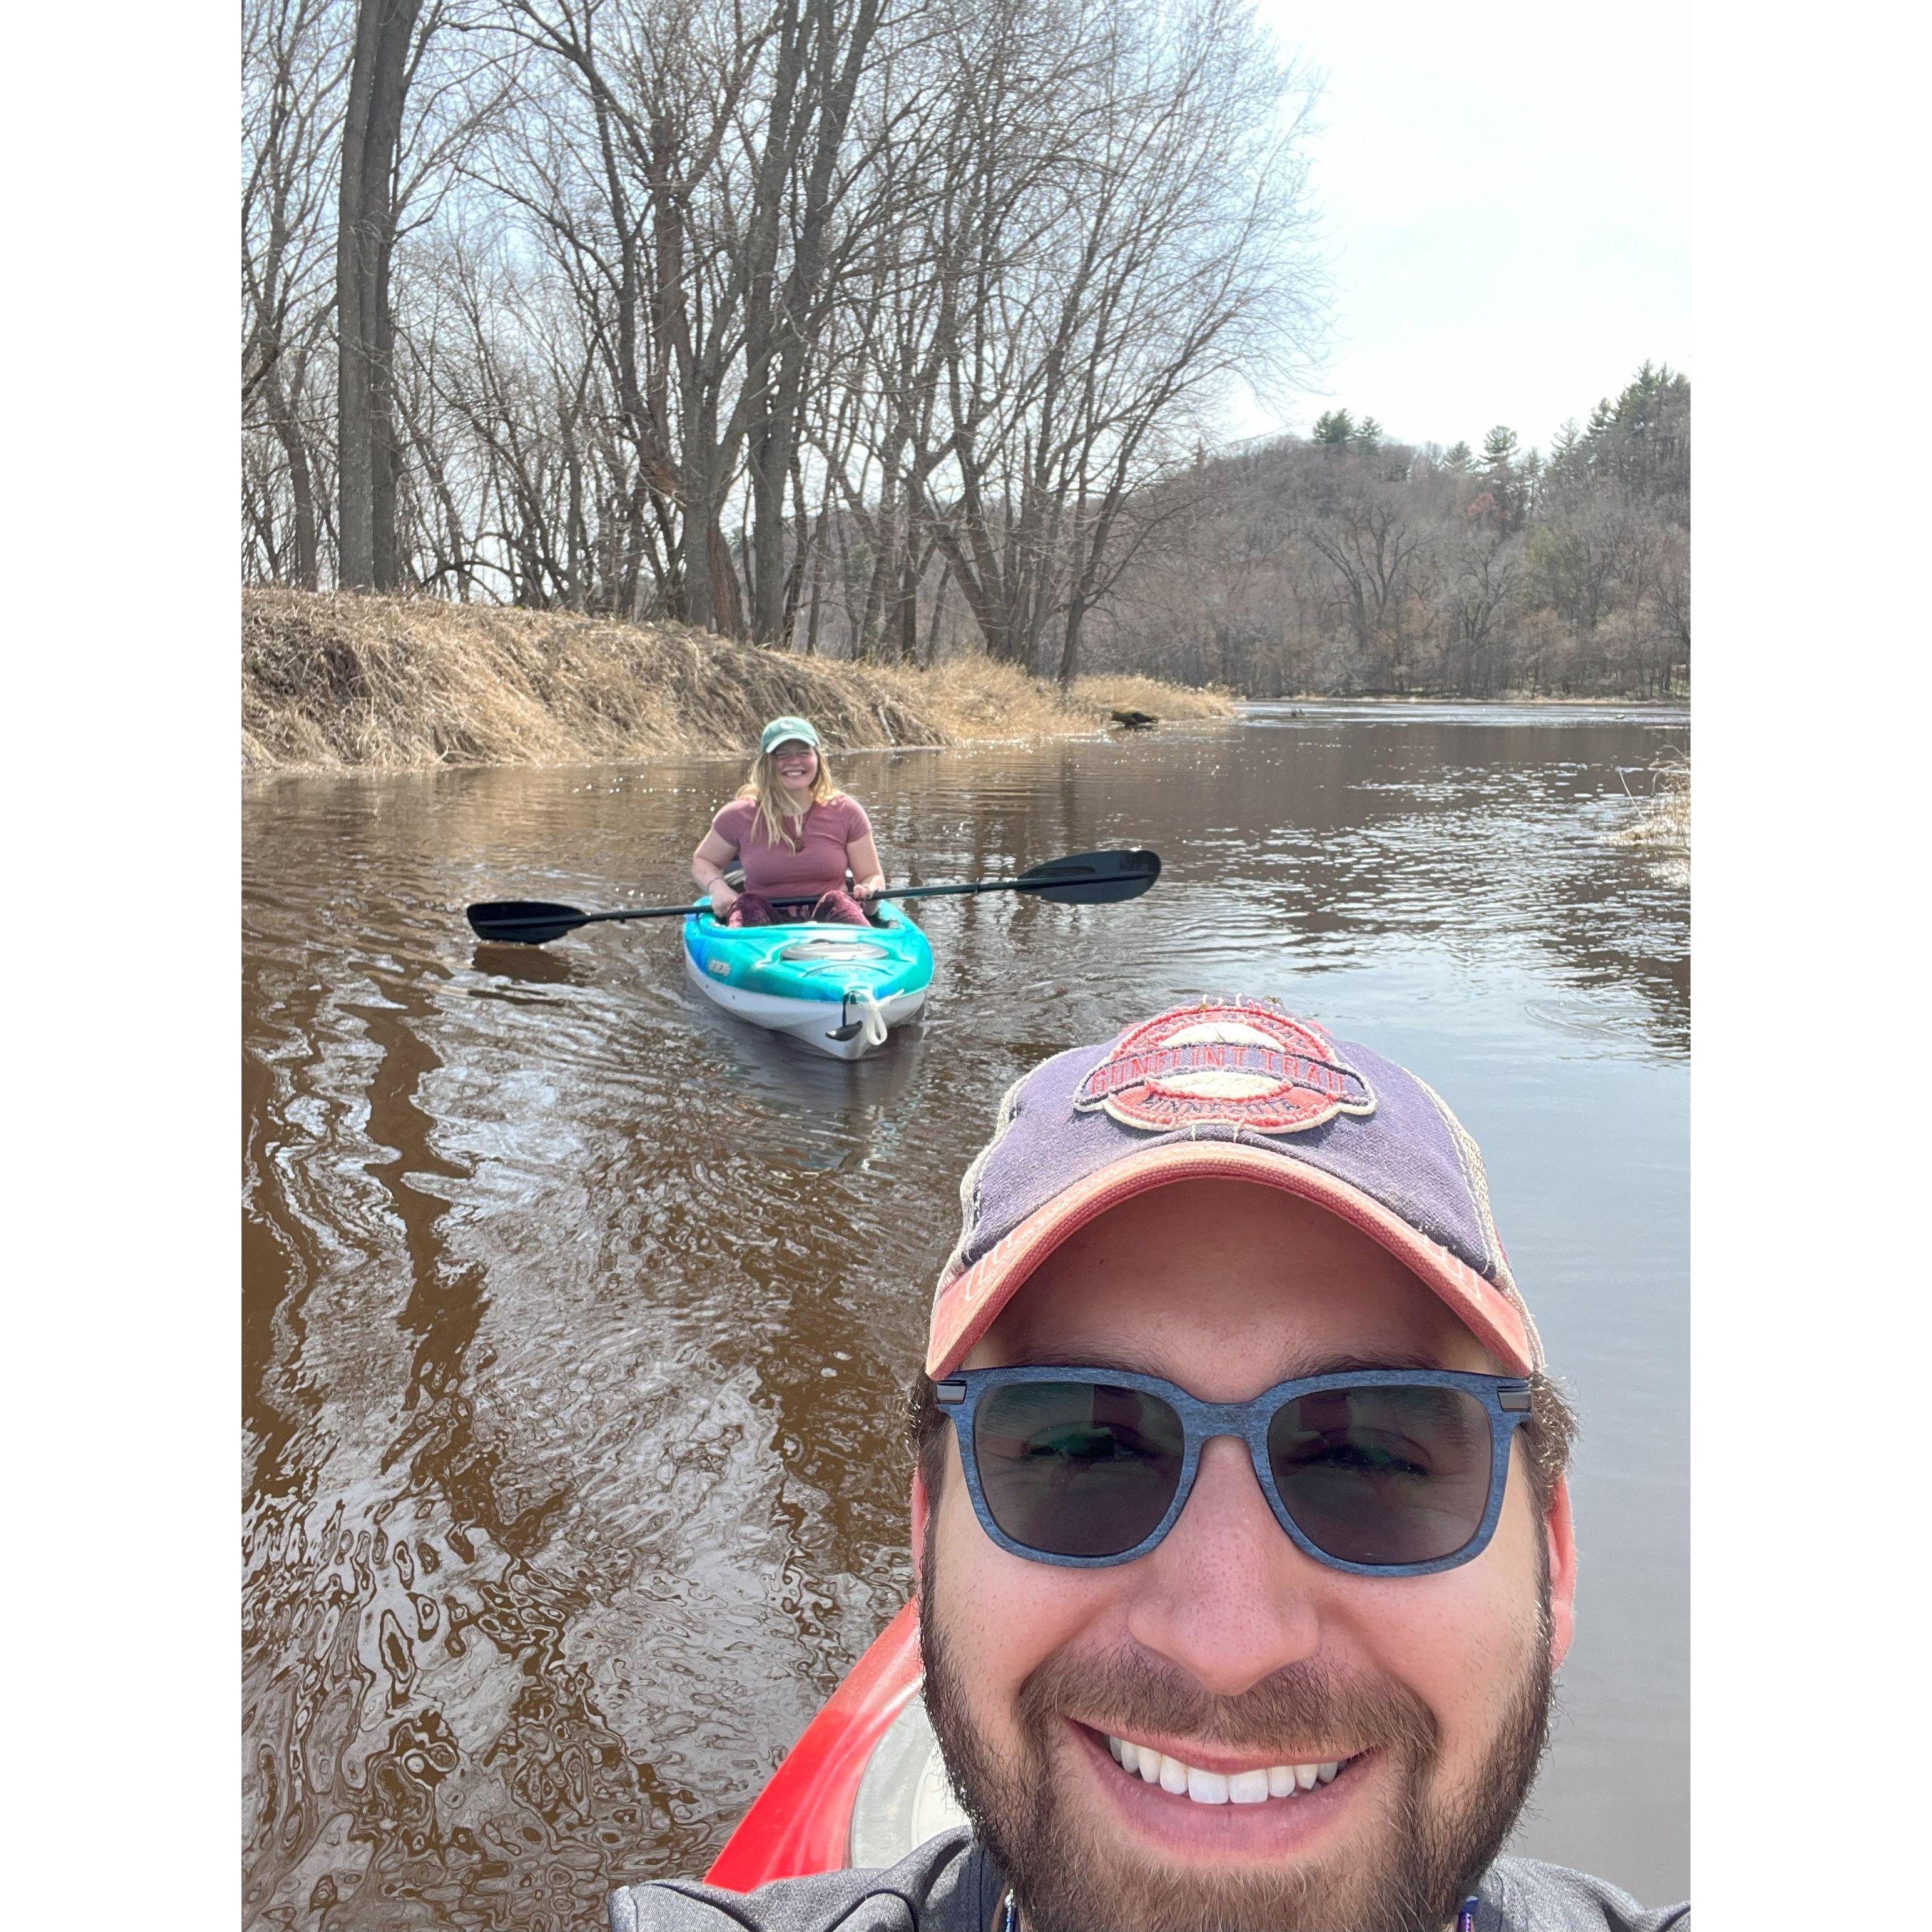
[802,1821]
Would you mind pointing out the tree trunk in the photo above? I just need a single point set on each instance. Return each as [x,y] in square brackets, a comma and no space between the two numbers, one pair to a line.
[908,652]
[302,487]
[1070,650]
[385,459]
[727,609]
[365,240]
[778,337]
[933,630]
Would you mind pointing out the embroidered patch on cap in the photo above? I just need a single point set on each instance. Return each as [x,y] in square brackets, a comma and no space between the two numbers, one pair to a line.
[1236,1062]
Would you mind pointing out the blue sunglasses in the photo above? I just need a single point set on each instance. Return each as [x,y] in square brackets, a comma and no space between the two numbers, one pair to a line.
[1380,1472]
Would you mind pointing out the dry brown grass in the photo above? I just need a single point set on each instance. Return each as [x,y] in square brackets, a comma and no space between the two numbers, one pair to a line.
[1663,827]
[396,684]
[975,699]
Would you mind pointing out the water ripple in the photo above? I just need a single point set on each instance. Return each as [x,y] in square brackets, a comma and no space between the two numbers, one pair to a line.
[575,1313]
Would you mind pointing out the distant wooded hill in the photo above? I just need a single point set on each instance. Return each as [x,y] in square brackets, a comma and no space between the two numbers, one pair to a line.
[1347,564]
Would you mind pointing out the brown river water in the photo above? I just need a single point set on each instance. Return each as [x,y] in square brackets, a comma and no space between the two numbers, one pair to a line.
[576,1314]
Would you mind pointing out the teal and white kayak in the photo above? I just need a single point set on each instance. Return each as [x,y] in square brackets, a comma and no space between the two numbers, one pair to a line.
[839,988]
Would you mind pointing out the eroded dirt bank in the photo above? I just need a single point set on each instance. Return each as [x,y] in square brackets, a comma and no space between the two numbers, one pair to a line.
[333,682]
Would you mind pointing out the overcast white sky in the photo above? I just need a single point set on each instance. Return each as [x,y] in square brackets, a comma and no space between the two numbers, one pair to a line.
[1504,193]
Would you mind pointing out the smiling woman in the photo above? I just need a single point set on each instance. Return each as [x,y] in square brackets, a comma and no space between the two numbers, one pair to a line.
[795,835]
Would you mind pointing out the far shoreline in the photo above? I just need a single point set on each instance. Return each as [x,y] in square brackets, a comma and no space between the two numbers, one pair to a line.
[334,683]
[1677,701]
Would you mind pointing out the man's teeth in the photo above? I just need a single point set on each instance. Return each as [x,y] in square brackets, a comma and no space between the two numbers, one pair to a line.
[1215,1787]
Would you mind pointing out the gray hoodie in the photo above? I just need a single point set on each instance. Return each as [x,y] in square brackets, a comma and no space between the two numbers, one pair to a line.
[948,1884]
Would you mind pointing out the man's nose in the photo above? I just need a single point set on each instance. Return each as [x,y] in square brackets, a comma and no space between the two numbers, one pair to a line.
[1226,1596]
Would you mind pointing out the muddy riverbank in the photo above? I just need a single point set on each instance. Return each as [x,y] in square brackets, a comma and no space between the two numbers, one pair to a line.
[334,682]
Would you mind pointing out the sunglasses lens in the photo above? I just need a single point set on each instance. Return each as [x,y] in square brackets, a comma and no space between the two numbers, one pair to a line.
[1077,1468]
[1384,1475]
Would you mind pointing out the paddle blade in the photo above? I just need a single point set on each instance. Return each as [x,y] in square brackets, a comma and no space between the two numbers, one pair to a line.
[522,922]
[1092,878]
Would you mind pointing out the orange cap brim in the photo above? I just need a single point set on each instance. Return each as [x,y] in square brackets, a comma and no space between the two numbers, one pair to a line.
[966,1307]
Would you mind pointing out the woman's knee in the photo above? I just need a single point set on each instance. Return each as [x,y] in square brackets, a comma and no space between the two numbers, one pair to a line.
[751,909]
[839,909]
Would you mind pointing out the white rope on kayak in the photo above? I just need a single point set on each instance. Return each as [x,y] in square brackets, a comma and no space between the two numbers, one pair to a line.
[871,1014]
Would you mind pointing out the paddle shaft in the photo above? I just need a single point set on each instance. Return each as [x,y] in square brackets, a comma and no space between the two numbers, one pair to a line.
[1087,878]
[904,893]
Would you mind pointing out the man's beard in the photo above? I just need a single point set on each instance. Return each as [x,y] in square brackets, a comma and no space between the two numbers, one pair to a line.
[1431,1853]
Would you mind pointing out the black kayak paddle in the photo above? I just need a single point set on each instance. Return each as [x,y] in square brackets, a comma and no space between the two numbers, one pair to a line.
[1086,878]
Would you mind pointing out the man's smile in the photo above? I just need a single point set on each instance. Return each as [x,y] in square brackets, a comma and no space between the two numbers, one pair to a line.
[1203,1798]
[1225,1780]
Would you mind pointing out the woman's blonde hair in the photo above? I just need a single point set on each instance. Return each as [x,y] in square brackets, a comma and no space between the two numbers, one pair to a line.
[762,783]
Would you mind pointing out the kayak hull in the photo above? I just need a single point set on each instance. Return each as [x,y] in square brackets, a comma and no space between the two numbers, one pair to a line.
[862,1786]
[838,989]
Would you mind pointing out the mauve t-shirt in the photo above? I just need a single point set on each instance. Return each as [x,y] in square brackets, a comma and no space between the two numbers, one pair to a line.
[776,872]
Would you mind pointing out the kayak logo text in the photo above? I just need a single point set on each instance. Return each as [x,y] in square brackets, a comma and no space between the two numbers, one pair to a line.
[1233,1063]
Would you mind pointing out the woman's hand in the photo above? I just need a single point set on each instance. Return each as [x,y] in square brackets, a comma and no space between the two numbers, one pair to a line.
[723,898]
[865,890]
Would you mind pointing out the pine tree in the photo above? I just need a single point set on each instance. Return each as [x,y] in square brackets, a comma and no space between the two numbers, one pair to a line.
[1641,440]
[1334,428]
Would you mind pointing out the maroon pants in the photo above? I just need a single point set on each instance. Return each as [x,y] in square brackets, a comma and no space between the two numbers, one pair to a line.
[833,909]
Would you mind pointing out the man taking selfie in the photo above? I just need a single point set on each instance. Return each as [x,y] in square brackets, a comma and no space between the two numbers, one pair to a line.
[1239,1517]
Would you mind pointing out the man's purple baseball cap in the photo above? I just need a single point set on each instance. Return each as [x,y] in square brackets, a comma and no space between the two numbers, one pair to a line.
[1233,1089]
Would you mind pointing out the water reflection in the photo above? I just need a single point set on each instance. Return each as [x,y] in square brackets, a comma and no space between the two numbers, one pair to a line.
[528,965]
[575,1313]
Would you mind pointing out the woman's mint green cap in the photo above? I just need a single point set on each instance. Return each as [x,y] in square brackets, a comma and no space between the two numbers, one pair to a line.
[781,730]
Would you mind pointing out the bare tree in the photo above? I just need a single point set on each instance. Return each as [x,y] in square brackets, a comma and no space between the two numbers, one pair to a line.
[372,131]
[1482,578]
[1112,232]
[689,180]
[1361,521]
[294,72]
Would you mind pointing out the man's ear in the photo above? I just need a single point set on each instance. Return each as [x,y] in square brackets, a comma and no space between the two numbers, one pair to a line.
[1562,1533]
[921,1509]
